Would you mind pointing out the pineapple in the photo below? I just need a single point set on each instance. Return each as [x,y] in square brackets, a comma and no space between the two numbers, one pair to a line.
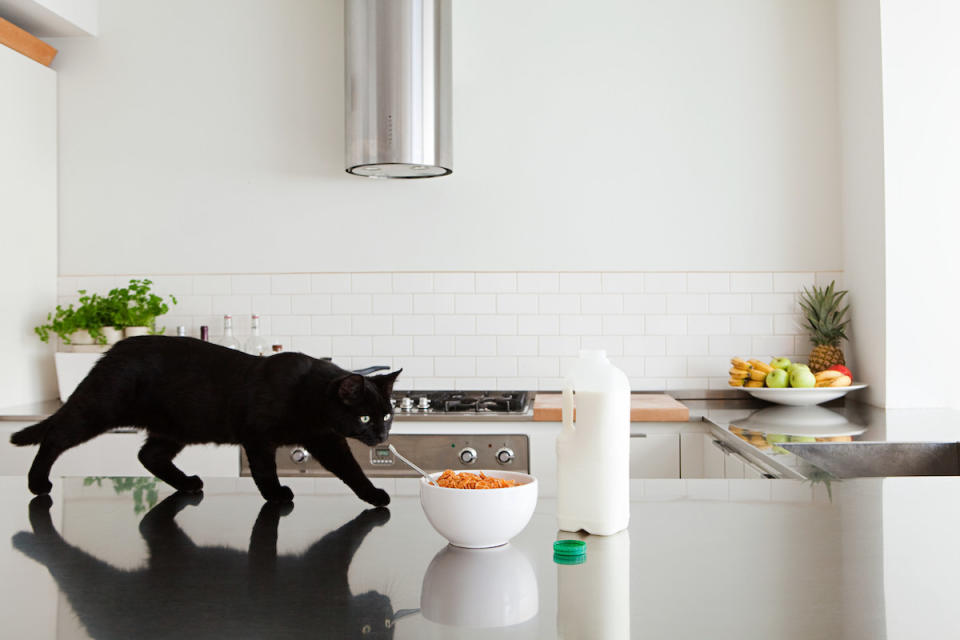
[826,324]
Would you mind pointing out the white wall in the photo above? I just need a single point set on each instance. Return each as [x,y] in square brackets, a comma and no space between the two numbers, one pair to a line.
[650,135]
[921,100]
[28,225]
[860,97]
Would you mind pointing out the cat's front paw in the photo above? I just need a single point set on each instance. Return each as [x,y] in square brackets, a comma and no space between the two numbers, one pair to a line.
[39,486]
[378,498]
[191,484]
[282,495]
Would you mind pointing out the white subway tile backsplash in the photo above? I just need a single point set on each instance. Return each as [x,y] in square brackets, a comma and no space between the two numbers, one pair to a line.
[372,325]
[538,325]
[607,303]
[708,282]
[580,283]
[480,384]
[644,345]
[454,282]
[623,282]
[517,345]
[498,325]
[416,325]
[559,303]
[433,303]
[330,283]
[351,303]
[232,305]
[581,325]
[475,345]
[412,282]
[290,283]
[330,325]
[476,303]
[455,325]
[751,325]
[665,282]
[503,329]
[679,303]
[496,367]
[824,278]
[250,284]
[455,367]
[644,303]
[310,304]
[496,282]
[202,285]
[371,283]
[517,303]
[538,282]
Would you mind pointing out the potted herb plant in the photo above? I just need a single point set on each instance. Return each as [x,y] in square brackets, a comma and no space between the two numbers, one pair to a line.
[136,308]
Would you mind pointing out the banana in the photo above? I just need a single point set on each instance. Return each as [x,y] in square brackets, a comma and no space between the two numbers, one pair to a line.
[762,366]
[739,364]
[756,374]
[842,381]
[739,373]
[753,383]
[825,376]
[825,383]
[736,382]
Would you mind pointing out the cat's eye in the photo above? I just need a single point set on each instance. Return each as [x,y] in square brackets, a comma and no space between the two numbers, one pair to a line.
[386,417]
[364,419]
[365,629]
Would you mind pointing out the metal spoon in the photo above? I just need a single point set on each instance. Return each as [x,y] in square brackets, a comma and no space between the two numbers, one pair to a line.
[393,449]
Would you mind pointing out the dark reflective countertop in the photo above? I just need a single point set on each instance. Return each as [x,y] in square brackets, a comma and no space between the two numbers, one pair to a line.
[125,558]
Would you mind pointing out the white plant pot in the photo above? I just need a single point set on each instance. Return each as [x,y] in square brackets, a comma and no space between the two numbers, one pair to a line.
[129,332]
[112,334]
[71,369]
[81,337]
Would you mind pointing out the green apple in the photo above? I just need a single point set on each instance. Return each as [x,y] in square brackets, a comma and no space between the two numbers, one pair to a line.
[780,363]
[777,379]
[802,379]
[802,439]
[797,365]
[773,439]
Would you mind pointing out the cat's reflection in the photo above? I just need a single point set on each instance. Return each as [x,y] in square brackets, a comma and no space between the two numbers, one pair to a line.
[191,591]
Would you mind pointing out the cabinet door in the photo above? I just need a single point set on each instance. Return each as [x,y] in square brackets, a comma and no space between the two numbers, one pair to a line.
[655,456]
[28,219]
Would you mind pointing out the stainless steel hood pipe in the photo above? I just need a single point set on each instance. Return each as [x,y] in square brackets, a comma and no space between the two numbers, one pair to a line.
[398,98]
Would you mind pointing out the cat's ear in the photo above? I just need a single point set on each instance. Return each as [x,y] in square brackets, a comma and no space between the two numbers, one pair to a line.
[385,382]
[350,389]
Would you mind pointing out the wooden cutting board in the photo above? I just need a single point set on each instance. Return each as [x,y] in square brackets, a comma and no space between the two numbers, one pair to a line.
[644,407]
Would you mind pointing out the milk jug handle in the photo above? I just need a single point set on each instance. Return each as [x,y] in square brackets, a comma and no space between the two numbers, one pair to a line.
[567,406]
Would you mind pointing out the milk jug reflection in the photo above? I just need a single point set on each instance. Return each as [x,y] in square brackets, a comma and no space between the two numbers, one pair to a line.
[479,588]
[593,598]
[593,451]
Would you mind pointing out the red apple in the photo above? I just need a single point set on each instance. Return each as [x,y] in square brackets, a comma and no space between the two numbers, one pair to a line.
[842,369]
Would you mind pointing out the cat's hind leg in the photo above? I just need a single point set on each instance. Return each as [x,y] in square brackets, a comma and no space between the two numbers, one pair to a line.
[64,430]
[157,456]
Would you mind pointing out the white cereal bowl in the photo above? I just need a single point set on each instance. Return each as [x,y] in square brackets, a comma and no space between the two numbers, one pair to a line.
[480,518]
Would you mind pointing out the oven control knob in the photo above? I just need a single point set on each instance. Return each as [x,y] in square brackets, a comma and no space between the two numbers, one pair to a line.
[505,455]
[468,455]
[299,455]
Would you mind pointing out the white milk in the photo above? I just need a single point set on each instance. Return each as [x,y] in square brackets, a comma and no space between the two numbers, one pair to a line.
[593,454]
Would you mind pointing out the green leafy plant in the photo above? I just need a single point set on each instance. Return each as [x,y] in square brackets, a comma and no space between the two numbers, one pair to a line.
[90,315]
[144,490]
[135,305]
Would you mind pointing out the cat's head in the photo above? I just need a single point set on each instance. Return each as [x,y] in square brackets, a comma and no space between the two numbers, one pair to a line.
[366,413]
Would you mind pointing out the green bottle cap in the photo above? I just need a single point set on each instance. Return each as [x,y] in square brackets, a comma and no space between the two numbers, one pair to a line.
[569,548]
[559,559]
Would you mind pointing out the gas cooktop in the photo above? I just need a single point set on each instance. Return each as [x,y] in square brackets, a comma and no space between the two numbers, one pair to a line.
[460,402]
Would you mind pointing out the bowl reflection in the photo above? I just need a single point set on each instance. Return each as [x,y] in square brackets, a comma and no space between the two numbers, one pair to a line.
[479,588]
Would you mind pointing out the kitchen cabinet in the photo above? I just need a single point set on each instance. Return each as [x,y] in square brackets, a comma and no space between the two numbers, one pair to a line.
[115,454]
[703,456]
[655,456]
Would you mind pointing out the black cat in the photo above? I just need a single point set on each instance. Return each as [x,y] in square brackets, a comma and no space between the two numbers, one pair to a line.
[184,391]
[189,591]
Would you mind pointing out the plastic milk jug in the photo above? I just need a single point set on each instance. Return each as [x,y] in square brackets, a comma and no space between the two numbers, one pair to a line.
[593,451]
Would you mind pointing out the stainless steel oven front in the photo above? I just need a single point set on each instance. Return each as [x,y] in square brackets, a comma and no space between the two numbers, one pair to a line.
[432,452]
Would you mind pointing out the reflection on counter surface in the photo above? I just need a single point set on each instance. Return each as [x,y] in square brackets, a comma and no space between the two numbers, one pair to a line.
[707,558]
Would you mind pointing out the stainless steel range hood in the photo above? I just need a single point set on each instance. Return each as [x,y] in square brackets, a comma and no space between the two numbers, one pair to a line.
[398,98]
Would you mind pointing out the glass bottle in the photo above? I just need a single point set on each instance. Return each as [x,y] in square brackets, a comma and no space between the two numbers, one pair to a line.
[227,339]
[205,333]
[256,345]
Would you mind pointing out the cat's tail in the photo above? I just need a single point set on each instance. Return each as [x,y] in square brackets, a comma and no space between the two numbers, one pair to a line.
[30,435]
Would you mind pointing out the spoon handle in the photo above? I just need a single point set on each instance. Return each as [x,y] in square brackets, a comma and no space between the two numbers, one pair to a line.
[393,449]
